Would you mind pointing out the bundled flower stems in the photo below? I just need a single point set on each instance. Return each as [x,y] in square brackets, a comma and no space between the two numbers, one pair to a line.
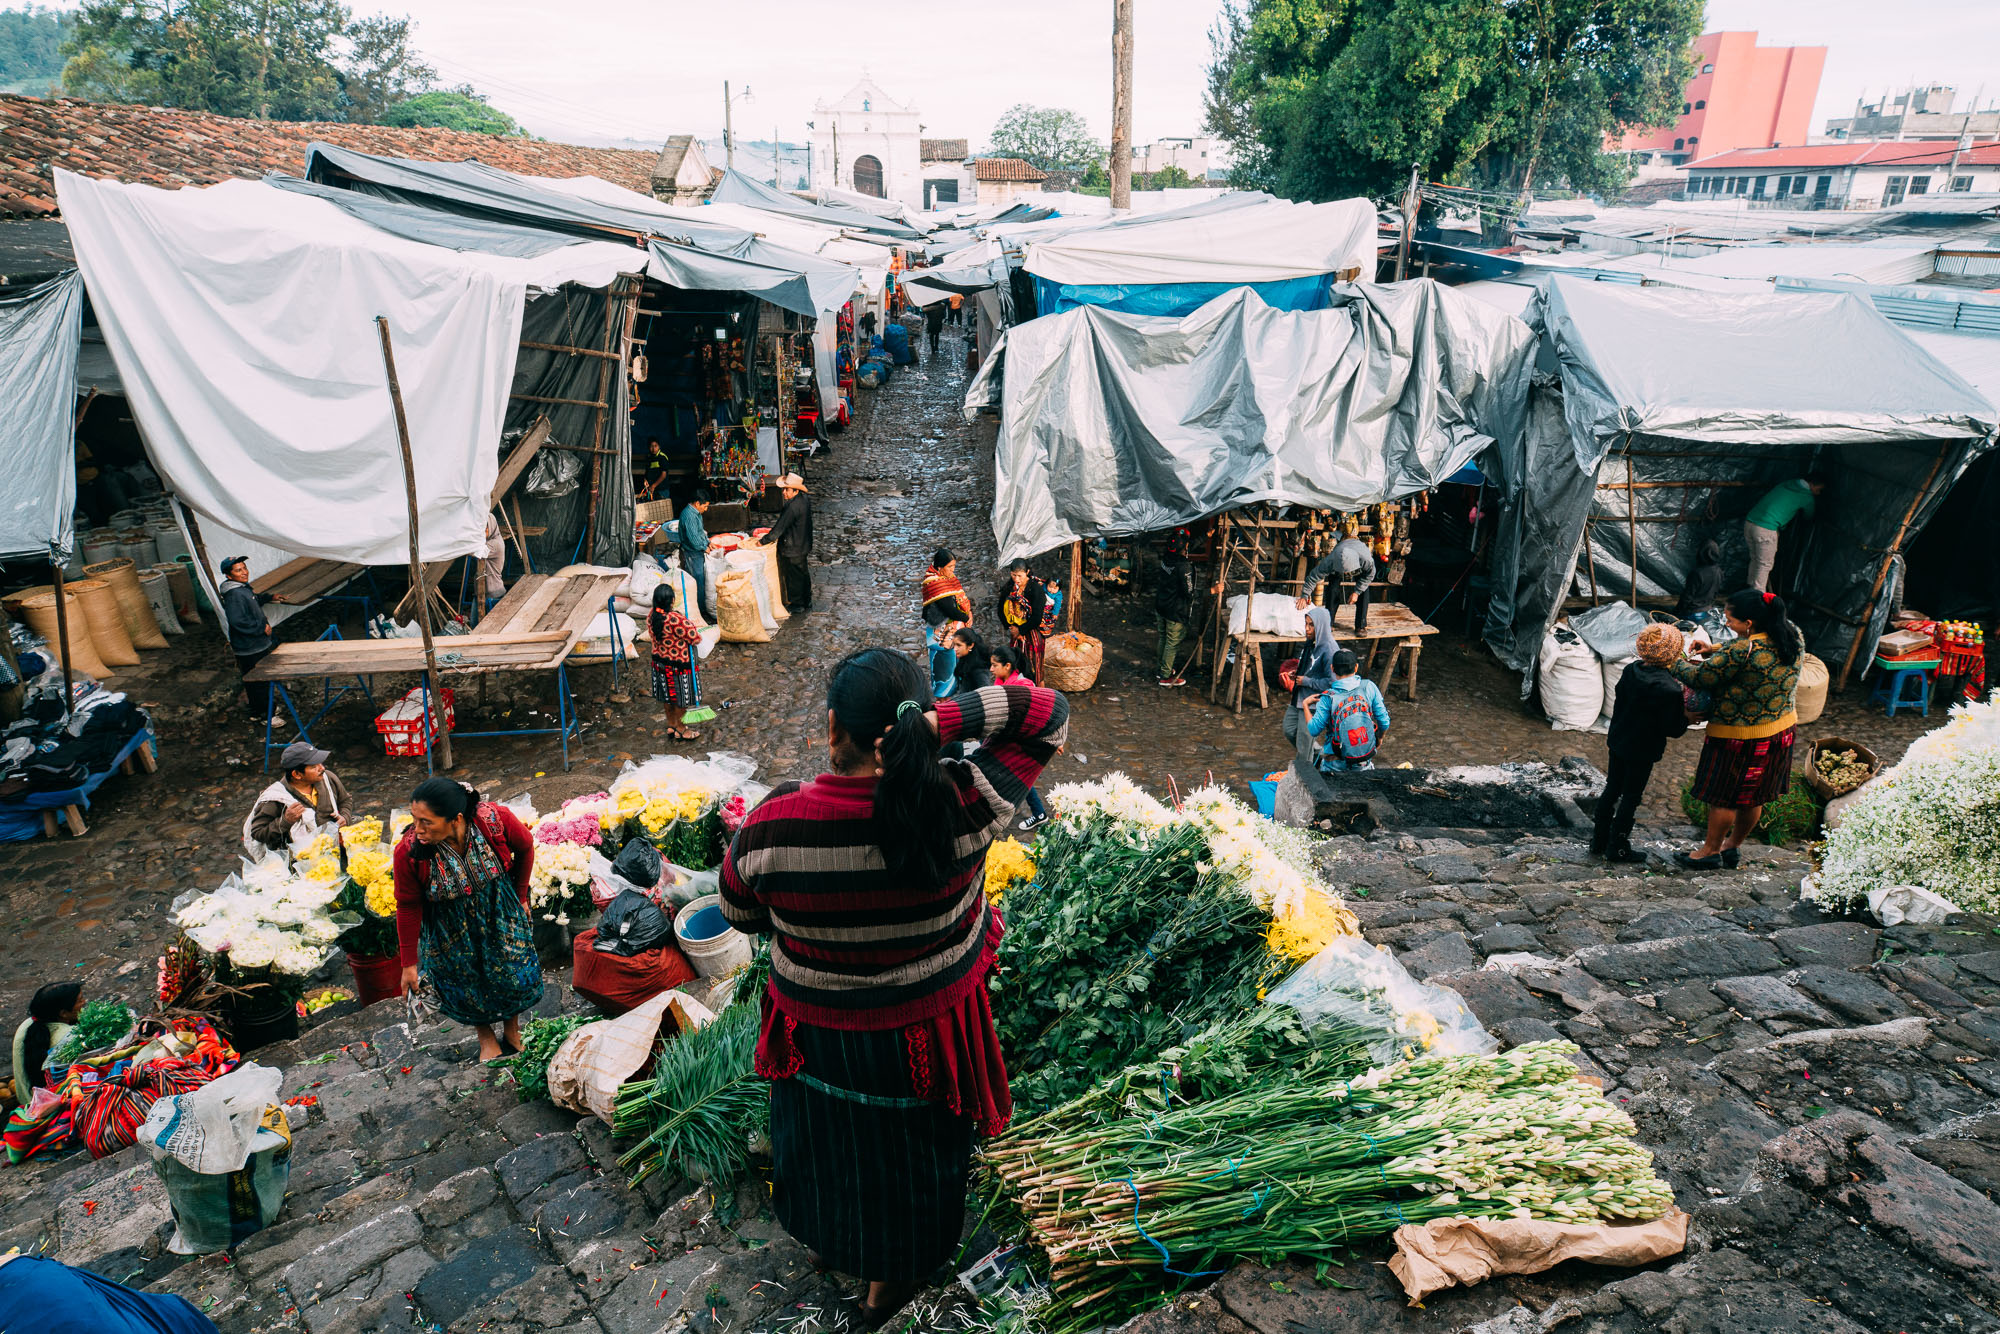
[1128,1209]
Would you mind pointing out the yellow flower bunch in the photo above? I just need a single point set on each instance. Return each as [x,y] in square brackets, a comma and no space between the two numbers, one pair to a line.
[1315,921]
[325,869]
[373,869]
[1007,864]
[322,844]
[690,802]
[656,815]
[362,833]
[382,896]
[628,803]
[398,822]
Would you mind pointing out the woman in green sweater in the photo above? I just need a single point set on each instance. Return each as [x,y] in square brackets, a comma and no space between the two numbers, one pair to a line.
[1746,759]
[51,1014]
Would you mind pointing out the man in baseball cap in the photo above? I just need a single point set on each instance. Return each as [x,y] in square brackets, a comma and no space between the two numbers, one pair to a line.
[792,535]
[307,795]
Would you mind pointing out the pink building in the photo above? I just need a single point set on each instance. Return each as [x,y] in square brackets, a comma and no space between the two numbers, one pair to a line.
[1742,96]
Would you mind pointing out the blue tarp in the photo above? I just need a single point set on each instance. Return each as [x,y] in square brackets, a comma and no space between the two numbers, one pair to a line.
[1309,293]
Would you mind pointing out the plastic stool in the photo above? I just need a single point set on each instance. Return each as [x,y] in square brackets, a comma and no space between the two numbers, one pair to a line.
[1903,688]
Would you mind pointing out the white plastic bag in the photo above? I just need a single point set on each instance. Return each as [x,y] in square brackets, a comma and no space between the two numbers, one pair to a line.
[210,1129]
[1354,983]
[1914,904]
[1572,682]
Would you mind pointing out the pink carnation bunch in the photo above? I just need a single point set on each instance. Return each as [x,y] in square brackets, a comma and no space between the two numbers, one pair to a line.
[733,812]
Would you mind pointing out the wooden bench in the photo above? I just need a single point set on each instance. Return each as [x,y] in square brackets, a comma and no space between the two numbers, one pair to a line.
[1388,621]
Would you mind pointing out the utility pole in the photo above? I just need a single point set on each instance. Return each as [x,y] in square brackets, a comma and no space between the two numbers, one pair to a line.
[1409,220]
[1121,108]
[728,134]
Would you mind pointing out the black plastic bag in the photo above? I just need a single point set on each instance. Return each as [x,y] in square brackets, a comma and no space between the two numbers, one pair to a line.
[632,925]
[638,863]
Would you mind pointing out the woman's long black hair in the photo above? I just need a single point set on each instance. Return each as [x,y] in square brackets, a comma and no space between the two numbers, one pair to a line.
[1766,614]
[974,671]
[48,1007]
[916,803]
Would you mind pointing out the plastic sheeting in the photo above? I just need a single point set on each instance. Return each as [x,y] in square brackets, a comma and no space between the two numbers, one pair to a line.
[1114,424]
[736,188]
[1234,239]
[242,319]
[40,331]
[1703,402]
[1311,293]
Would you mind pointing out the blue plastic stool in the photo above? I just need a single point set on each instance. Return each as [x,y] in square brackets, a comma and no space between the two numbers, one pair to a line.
[1903,688]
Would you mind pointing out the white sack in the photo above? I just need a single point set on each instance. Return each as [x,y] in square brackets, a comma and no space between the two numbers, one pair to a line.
[1897,904]
[756,564]
[1269,614]
[209,1129]
[1572,684]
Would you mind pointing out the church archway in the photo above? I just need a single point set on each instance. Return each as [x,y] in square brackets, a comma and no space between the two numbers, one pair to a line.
[868,176]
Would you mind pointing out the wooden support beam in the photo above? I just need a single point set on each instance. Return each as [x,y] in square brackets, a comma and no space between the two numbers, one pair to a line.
[567,402]
[417,573]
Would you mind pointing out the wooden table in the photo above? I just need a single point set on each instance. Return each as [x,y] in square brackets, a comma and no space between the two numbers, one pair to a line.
[533,628]
[1386,621]
[299,582]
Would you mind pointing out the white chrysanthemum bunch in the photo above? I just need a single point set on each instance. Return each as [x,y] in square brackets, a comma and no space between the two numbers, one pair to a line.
[1113,796]
[1932,821]
[559,868]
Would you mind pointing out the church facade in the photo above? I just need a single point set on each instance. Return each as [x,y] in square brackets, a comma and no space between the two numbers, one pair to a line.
[871,144]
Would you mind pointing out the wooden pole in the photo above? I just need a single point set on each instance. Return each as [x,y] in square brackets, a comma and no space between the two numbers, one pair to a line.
[1121,103]
[1075,583]
[62,629]
[419,577]
[612,301]
[1632,520]
[1222,535]
[1882,574]
[1409,220]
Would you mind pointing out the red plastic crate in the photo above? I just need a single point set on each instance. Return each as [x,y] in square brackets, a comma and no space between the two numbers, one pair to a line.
[399,723]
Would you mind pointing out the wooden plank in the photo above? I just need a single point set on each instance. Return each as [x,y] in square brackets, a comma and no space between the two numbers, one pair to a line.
[510,602]
[556,614]
[320,580]
[529,616]
[517,462]
[289,570]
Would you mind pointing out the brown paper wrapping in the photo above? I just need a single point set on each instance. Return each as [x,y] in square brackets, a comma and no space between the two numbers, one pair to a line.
[106,622]
[1446,1251]
[133,608]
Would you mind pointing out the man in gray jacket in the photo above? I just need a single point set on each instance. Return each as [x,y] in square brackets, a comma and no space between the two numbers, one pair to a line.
[1353,564]
[249,633]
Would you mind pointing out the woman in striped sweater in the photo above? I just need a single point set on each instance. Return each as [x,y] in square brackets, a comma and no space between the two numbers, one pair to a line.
[877,1034]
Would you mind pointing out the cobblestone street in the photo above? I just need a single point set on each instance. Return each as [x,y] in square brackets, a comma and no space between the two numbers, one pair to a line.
[1820,1093]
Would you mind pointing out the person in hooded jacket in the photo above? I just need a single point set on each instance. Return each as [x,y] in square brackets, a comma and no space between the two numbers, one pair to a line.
[1703,588]
[249,633]
[1312,676]
[1647,712]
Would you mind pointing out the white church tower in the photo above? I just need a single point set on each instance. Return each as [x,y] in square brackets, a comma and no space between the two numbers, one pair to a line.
[868,143]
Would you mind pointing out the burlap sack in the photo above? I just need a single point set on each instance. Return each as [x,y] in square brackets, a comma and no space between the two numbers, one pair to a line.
[736,610]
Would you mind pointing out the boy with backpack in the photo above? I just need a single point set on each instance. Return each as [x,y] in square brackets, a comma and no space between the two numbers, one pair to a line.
[1350,718]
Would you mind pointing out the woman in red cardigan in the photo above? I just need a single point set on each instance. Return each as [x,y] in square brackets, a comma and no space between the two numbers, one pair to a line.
[462,911]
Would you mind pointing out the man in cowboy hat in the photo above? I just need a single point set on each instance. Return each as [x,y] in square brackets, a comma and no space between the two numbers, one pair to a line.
[792,535]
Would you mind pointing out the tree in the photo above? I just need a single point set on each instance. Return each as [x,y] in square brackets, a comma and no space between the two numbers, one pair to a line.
[1169,177]
[451,109]
[31,48]
[271,59]
[1051,138]
[1323,98]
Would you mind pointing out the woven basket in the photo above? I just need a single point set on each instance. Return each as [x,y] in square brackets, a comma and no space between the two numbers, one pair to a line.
[1070,662]
[1810,775]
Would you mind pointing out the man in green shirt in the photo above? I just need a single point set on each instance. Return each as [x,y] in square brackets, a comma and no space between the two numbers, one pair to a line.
[1780,505]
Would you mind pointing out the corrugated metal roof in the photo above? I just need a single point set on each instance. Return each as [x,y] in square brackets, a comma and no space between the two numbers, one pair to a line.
[1917,307]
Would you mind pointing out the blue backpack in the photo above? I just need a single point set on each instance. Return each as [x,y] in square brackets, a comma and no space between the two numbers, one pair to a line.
[1351,731]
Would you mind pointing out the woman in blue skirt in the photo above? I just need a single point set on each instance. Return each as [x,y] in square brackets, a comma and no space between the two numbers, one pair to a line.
[462,911]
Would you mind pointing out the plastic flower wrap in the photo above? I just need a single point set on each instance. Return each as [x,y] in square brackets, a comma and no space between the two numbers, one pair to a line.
[398,822]
[257,948]
[1932,821]
[323,869]
[361,834]
[295,958]
[1007,864]
[325,842]
[320,931]
[269,872]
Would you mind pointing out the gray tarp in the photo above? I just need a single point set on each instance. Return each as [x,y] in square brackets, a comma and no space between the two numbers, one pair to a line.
[736,188]
[1711,399]
[40,331]
[1114,424]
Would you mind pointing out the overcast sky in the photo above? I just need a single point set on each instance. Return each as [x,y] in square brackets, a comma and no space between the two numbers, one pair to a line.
[649,68]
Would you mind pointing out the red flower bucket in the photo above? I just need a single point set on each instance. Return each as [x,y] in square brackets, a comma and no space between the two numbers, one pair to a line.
[376,977]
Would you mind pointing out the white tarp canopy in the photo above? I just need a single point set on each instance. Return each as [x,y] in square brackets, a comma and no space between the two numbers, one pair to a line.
[242,319]
[1260,240]
[40,331]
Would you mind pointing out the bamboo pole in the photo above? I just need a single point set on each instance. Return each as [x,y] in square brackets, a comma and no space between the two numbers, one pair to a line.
[1882,574]
[612,301]
[62,629]
[418,576]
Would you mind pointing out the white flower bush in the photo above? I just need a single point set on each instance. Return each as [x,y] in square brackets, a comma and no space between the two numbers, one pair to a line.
[1932,821]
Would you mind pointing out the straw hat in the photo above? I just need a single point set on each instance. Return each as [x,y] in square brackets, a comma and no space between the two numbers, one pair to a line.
[791,481]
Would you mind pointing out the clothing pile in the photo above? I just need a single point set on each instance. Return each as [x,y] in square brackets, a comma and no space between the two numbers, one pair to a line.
[104,1096]
[48,752]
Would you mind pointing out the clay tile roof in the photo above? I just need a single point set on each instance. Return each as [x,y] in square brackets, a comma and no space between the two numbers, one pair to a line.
[164,147]
[944,150]
[1007,169]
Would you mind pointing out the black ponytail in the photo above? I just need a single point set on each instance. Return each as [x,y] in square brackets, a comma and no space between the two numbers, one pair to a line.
[447,797]
[878,694]
[48,1007]
[1766,614]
